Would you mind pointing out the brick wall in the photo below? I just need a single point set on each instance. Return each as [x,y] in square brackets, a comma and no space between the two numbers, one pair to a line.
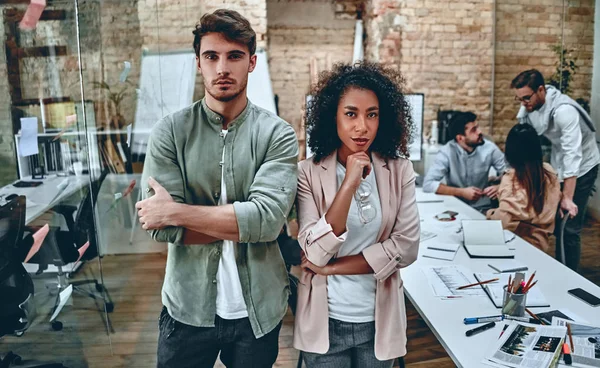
[526,34]
[299,30]
[443,48]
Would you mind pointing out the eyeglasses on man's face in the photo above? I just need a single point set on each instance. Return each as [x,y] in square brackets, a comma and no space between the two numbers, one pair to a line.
[524,98]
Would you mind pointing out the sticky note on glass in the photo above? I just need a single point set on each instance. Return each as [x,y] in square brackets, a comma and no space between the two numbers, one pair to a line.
[28,144]
[33,14]
[125,71]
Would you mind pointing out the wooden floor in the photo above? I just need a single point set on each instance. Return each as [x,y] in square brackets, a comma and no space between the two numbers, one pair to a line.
[134,282]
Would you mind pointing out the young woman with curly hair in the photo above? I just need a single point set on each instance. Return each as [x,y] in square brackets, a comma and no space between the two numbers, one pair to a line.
[358,217]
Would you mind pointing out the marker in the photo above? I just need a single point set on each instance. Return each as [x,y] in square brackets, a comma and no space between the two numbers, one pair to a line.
[480,329]
[473,320]
[515,318]
[567,354]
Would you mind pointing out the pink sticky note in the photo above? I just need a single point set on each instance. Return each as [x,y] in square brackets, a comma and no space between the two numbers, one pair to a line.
[33,14]
[38,240]
[82,250]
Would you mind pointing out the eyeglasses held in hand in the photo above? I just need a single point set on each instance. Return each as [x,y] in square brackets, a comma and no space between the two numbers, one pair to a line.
[366,211]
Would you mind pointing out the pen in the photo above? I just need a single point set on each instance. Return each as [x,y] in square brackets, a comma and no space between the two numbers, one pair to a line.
[534,316]
[570,337]
[530,286]
[441,249]
[503,329]
[473,320]
[477,283]
[480,329]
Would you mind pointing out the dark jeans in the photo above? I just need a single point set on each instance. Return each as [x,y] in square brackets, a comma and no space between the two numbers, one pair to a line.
[181,345]
[572,235]
[351,345]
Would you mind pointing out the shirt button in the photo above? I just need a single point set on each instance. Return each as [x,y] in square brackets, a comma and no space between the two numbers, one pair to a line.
[216,194]
[221,134]
[214,281]
[218,252]
[221,164]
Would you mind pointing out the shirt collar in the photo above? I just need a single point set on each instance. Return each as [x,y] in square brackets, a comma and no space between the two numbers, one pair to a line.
[461,150]
[217,119]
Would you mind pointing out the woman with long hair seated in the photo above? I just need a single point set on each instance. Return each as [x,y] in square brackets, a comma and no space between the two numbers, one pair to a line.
[358,218]
[529,193]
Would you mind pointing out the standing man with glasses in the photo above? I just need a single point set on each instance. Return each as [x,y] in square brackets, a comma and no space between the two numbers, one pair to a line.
[575,154]
[228,173]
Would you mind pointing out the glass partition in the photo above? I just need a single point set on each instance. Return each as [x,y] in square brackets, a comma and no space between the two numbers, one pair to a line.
[82,86]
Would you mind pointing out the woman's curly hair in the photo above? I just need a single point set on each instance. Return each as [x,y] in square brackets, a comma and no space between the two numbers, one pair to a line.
[395,121]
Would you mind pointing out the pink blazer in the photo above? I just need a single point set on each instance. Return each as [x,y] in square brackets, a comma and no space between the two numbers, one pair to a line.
[397,247]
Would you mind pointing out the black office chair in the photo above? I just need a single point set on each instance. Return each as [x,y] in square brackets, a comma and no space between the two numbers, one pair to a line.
[560,245]
[62,247]
[16,287]
[17,306]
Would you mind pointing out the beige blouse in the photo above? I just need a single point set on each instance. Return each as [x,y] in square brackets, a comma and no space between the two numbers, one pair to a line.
[513,212]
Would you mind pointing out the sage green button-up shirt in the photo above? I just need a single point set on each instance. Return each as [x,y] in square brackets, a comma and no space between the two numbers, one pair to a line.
[184,155]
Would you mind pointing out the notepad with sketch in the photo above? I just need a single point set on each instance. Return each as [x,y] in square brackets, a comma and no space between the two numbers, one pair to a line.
[495,290]
[485,239]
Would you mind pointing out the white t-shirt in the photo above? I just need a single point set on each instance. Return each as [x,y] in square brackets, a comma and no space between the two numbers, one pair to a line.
[230,300]
[352,297]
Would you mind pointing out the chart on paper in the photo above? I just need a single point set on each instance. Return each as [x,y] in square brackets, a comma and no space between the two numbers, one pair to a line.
[444,281]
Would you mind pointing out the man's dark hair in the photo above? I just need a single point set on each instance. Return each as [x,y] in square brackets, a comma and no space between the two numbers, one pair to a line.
[531,78]
[459,121]
[395,121]
[231,24]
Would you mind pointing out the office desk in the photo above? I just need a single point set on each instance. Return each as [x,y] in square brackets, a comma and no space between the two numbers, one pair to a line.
[50,193]
[445,317]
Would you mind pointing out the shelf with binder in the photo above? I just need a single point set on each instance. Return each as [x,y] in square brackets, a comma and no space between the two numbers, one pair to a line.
[76,152]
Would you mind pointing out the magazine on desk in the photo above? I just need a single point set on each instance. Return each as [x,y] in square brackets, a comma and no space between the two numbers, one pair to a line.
[586,338]
[495,290]
[527,345]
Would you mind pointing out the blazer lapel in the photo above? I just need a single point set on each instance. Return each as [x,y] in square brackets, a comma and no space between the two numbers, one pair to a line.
[382,176]
[328,178]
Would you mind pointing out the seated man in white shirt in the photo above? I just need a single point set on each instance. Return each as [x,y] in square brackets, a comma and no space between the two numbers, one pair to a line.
[465,163]
[574,156]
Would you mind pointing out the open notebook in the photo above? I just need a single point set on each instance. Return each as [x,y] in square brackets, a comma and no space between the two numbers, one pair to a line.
[485,239]
[495,290]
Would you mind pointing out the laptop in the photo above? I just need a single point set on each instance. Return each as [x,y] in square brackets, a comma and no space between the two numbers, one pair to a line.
[485,239]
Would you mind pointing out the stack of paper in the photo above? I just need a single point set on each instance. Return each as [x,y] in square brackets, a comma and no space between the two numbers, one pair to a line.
[443,251]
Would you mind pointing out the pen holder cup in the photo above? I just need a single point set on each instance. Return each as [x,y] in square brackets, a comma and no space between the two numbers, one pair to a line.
[513,304]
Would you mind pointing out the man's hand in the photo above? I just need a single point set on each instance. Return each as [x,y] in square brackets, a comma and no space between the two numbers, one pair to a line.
[568,206]
[310,267]
[471,193]
[154,212]
[491,191]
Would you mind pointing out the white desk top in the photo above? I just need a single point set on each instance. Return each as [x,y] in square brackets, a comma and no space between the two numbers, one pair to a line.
[43,197]
[445,317]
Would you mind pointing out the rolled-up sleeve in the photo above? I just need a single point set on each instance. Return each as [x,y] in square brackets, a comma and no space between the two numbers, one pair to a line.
[436,173]
[161,163]
[315,235]
[272,191]
[402,248]
[566,119]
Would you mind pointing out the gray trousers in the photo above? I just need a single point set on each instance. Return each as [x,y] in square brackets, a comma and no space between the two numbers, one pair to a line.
[572,235]
[351,345]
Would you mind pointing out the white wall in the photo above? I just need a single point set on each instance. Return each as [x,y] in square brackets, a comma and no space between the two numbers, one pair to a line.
[594,206]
